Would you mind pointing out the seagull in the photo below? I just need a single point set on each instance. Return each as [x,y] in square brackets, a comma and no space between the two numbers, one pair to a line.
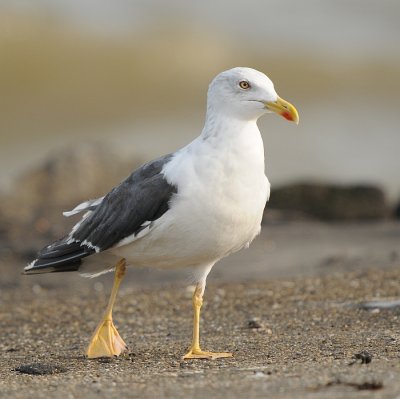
[187,209]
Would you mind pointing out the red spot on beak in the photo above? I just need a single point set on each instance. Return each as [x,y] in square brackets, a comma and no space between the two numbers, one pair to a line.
[287,115]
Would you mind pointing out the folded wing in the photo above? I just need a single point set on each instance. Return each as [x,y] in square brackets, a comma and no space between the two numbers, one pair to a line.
[124,214]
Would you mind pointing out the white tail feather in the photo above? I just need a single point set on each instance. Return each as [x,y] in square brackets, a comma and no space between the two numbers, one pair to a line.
[83,207]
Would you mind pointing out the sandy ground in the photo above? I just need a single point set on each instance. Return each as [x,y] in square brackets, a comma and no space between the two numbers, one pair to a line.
[294,326]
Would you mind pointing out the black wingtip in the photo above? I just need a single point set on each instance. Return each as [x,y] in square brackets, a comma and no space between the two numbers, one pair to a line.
[60,256]
[73,267]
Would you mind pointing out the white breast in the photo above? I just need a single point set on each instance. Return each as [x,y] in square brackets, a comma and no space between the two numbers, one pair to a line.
[222,191]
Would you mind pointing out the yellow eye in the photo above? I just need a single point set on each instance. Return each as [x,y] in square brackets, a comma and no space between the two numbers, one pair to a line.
[244,84]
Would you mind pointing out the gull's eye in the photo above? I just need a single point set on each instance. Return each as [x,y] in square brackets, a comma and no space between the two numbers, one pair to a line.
[244,84]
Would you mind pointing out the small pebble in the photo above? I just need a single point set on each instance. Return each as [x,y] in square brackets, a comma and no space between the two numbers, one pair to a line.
[364,357]
[254,323]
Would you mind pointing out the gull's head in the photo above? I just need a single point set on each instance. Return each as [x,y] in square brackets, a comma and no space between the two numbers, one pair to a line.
[247,94]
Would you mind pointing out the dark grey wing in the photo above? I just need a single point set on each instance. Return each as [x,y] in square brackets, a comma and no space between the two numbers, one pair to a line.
[143,197]
[125,211]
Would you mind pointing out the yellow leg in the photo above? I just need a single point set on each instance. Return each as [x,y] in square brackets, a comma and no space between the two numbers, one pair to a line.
[195,351]
[105,341]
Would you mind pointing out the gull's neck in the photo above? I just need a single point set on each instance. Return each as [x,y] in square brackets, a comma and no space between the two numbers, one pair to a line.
[235,140]
[223,126]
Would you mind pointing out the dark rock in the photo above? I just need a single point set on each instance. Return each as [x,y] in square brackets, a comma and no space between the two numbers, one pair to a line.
[397,211]
[32,210]
[331,202]
[40,369]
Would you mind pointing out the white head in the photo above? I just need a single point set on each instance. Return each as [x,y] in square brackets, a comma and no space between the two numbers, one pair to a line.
[245,93]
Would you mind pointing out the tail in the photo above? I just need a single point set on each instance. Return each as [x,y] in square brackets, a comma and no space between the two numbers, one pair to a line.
[60,256]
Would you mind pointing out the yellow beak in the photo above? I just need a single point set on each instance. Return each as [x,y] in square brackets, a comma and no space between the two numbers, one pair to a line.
[285,109]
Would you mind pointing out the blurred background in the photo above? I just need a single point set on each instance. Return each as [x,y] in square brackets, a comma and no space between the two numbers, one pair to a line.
[136,72]
[108,85]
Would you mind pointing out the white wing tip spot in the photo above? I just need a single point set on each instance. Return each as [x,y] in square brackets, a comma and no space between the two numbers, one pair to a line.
[31,265]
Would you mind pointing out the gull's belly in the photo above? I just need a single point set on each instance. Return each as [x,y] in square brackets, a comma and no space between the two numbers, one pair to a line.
[211,226]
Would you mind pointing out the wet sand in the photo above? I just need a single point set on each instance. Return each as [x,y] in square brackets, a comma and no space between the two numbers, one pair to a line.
[293,334]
